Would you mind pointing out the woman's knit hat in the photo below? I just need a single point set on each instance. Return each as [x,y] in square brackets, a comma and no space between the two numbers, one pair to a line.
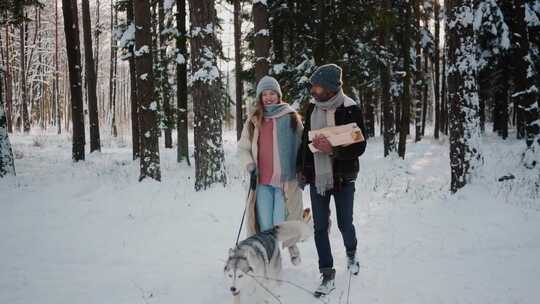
[268,83]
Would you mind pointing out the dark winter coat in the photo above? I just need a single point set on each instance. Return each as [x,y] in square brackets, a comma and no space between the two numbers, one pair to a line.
[345,159]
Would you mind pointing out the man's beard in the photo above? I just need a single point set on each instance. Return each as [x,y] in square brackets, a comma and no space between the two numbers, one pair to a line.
[323,97]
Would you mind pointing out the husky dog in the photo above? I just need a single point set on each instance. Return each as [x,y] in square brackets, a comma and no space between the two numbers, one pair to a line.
[258,257]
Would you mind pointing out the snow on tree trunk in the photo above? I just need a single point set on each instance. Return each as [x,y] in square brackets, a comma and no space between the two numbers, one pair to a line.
[463,93]
[262,39]
[418,75]
[150,165]
[526,92]
[95,144]
[181,84]
[369,105]
[165,89]
[135,119]
[71,28]
[7,164]
[209,155]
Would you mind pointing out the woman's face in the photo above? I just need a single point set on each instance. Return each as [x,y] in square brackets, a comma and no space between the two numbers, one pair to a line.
[269,97]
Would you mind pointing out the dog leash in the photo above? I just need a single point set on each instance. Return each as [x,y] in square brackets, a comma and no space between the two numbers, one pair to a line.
[252,186]
[349,288]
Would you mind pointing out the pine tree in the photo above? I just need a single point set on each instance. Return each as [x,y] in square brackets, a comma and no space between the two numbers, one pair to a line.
[419,74]
[127,49]
[9,87]
[209,154]
[7,163]
[463,93]
[56,72]
[437,62]
[164,87]
[385,75]
[526,92]
[239,84]
[181,83]
[406,39]
[112,73]
[493,63]
[23,35]
[149,146]
[262,38]
[95,144]
[71,28]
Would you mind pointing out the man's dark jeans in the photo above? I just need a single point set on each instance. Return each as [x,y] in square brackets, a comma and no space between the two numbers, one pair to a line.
[320,204]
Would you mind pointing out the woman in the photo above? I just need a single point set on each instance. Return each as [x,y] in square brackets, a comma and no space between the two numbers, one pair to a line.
[267,148]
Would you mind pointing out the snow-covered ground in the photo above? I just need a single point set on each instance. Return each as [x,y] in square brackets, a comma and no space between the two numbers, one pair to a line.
[90,233]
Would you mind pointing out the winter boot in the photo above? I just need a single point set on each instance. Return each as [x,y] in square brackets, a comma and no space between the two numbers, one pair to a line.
[327,284]
[352,264]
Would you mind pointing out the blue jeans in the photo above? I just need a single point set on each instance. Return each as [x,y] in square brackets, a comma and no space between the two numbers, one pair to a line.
[320,204]
[270,206]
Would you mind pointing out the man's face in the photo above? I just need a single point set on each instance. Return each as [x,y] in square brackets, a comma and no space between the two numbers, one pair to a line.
[320,93]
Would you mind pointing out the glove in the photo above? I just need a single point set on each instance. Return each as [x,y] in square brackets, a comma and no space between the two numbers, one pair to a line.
[250,168]
[253,180]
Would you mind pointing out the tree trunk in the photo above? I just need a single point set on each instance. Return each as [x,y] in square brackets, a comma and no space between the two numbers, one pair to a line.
[24,93]
[40,75]
[181,84]
[209,155]
[437,8]
[71,28]
[112,74]
[526,93]
[7,163]
[444,95]
[262,40]
[239,84]
[56,72]
[9,86]
[97,33]
[320,47]
[150,164]
[425,99]
[385,74]
[95,144]
[135,116]
[407,66]
[463,94]
[369,111]
[501,86]
[419,75]
[164,78]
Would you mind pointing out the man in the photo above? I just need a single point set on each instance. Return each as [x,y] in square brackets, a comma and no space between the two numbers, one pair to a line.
[332,171]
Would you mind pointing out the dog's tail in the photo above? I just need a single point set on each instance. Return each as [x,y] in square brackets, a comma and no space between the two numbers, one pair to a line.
[292,232]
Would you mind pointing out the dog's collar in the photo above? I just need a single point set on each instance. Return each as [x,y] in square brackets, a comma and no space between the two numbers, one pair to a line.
[237,257]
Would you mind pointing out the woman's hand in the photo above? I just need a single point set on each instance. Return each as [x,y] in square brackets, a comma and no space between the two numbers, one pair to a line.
[321,143]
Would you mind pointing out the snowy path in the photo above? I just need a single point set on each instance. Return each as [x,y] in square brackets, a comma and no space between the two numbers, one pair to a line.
[90,233]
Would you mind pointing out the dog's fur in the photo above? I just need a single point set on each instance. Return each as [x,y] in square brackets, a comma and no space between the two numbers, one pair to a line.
[259,257]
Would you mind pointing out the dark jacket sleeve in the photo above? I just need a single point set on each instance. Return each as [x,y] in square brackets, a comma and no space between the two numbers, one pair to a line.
[355,150]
